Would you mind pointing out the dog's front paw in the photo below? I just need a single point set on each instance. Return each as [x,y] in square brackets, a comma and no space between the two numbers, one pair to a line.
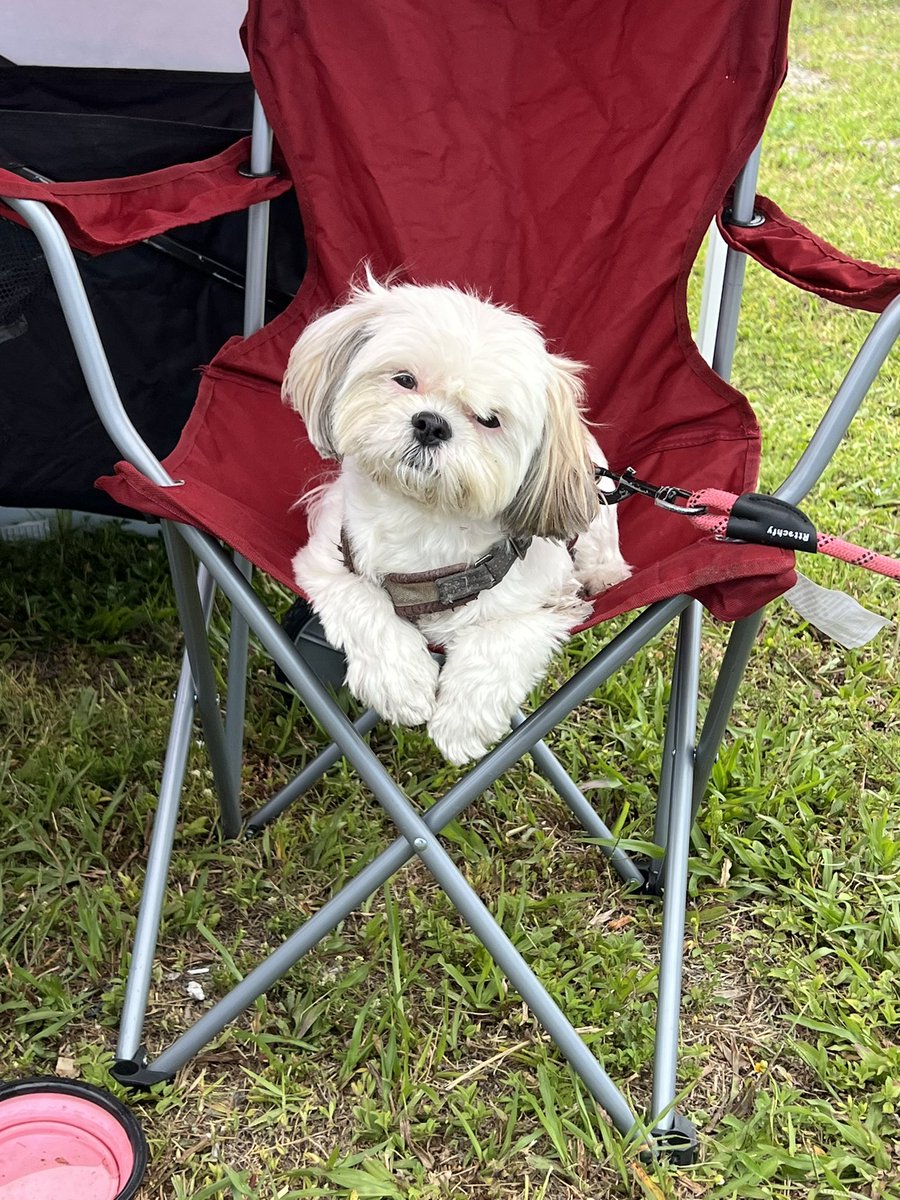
[462,735]
[456,739]
[600,576]
[401,691]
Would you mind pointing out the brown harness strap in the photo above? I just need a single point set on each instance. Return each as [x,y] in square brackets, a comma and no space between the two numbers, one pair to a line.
[423,593]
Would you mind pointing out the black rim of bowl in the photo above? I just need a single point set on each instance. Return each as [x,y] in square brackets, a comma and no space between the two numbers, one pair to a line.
[94,1095]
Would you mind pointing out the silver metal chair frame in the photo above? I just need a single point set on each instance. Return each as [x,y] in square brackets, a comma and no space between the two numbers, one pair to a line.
[686,762]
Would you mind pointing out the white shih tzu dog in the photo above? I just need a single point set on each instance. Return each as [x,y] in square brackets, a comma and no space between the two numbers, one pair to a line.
[466,472]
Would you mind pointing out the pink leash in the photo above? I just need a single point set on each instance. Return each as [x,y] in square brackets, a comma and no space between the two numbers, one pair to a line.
[754,517]
[715,520]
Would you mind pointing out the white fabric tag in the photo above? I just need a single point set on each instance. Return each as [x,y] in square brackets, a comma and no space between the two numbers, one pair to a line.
[835,613]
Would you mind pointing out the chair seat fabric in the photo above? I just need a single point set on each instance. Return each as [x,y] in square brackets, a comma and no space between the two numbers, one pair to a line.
[244,461]
[563,159]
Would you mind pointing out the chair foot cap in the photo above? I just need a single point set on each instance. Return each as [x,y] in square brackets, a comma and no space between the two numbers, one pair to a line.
[679,1144]
[651,870]
[137,1074]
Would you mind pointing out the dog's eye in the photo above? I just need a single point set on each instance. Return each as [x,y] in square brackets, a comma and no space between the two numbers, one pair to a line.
[491,422]
[405,380]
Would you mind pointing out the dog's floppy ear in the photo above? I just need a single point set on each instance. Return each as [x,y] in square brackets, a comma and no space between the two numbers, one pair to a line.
[558,498]
[317,367]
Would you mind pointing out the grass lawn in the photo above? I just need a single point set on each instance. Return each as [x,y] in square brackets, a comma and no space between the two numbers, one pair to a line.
[394,1061]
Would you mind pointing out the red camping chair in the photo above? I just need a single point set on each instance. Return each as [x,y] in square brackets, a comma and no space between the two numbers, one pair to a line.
[566,159]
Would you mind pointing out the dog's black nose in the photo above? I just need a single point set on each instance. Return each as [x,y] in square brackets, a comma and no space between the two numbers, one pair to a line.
[429,429]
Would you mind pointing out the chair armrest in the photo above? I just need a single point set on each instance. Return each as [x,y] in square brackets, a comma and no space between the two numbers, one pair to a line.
[109,214]
[86,339]
[792,252]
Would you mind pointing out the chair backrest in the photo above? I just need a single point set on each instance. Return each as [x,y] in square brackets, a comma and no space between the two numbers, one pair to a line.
[562,156]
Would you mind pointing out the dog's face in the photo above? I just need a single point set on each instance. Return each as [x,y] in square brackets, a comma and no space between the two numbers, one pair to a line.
[450,401]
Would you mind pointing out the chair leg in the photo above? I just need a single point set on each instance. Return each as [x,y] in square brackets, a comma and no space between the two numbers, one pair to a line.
[737,655]
[655,869]
[254,319]
[311,773]
[197,643]
[236,696]
[556,775]
[678,839]
[516,970]
[653,881]
[137,987]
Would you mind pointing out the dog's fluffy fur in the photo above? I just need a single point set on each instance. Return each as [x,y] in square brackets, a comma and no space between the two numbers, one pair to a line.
[517,460]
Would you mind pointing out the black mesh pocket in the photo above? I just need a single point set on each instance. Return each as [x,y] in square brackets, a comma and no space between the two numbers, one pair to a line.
[23,277]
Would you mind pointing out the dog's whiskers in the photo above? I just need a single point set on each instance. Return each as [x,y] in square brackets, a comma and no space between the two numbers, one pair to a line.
[418,458]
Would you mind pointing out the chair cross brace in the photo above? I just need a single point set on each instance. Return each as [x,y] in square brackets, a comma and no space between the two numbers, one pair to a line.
[419,836]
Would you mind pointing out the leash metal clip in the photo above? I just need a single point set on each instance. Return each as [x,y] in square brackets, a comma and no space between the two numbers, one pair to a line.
[662,495]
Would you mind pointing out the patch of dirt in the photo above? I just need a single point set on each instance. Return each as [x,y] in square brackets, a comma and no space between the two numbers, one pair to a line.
[803,80]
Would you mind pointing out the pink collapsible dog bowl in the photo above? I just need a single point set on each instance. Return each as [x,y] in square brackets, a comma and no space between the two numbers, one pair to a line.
[61,1140]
